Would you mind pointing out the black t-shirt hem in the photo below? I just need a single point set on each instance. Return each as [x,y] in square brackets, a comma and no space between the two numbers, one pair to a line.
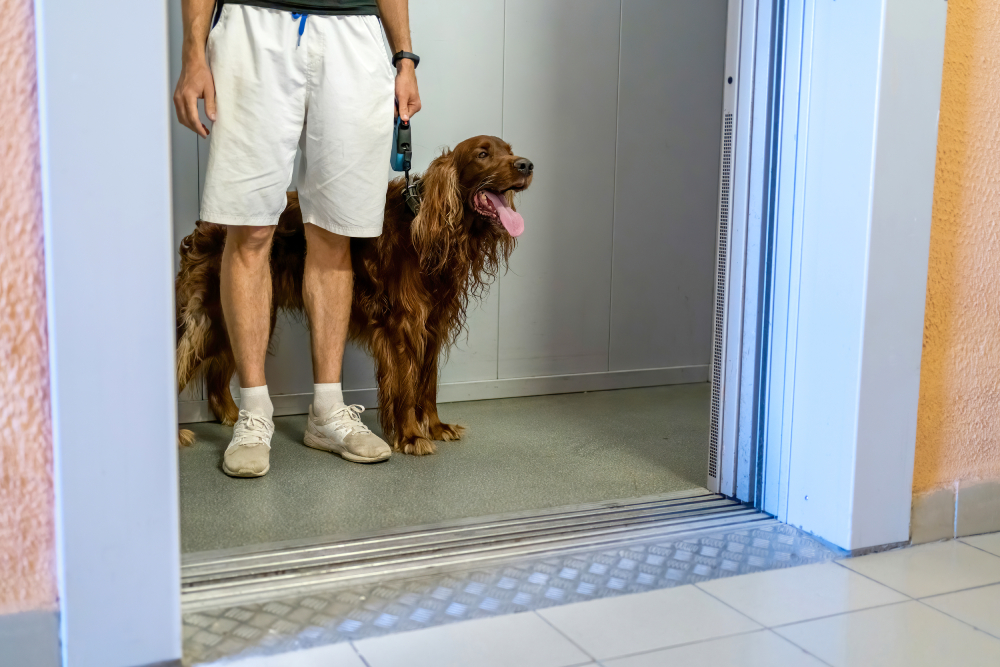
[360,8]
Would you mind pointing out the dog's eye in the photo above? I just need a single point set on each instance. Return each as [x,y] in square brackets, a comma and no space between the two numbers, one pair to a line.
[483,155]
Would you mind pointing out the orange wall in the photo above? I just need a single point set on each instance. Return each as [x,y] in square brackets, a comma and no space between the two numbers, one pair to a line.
[27,580]
[958,429]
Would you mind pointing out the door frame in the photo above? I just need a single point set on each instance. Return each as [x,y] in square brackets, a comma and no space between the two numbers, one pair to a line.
[102,86]
[822,374]
[855,150]
[116,492]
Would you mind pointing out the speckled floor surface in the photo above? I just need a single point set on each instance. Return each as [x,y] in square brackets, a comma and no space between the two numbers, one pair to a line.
[518,454]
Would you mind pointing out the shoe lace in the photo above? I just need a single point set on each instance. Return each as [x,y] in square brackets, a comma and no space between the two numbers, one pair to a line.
[252,429]
[348,418]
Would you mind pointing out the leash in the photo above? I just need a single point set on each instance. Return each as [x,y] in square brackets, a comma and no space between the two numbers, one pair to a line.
[402,152]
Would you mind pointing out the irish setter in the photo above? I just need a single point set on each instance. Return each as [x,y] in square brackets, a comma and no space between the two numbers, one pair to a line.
[411,285]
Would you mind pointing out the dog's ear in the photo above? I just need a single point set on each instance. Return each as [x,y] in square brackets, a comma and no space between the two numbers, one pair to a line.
[441,211]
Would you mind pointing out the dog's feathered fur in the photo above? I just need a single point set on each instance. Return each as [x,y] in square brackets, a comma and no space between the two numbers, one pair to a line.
[411,288]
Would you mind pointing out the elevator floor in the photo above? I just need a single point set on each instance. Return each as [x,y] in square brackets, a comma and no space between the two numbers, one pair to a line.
[518,454]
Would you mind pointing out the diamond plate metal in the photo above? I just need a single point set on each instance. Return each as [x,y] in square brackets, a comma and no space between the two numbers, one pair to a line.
[385,607]
[263,572]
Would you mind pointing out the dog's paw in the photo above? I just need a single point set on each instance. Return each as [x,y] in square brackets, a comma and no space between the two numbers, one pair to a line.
[416,445]
[447,432]
[185,438]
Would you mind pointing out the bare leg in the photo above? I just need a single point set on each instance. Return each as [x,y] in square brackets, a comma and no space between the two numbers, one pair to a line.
[245,285]
[326,289]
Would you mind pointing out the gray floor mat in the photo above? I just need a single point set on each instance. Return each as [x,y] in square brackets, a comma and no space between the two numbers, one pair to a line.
[518,454]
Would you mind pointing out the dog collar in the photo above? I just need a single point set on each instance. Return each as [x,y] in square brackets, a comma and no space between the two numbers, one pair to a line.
[411,194]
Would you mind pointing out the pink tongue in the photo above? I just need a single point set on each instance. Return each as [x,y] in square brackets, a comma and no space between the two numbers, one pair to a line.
[509,218]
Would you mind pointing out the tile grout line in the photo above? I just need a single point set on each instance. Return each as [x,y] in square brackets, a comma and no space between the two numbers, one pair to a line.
[861,574]
[960,590]
[915,598]
[839,613]
[694,643]
[564,635]
[361,657]
[801,648]
[729,605]
[955,618]
[798,646]
[807,620]
[962,541]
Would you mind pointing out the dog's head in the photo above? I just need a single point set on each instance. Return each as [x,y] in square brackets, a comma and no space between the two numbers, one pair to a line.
[469,193]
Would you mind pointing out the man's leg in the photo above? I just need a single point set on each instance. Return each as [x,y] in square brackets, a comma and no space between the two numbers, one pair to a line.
[327,290]
[261,108]
[342,190]
[245,285]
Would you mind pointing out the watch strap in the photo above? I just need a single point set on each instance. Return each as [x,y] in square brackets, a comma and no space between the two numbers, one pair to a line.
[400,55]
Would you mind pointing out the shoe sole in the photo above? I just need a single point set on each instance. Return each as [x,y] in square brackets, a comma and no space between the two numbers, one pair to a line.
[319,443]
[244,474]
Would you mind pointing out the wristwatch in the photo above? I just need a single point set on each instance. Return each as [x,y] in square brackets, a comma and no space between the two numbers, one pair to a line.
[399,55]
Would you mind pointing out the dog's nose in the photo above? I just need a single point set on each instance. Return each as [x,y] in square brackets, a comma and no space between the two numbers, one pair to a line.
[524,165]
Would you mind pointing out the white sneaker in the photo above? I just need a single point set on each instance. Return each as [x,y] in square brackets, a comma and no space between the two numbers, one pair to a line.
[343,433]
[248,454]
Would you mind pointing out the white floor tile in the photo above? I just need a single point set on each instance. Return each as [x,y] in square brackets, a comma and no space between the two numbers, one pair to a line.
[334,655]
[802,593]
[899,635]
[756,649]
[614,627]
[517,640]
[989,542]
[979,607]
[929,569]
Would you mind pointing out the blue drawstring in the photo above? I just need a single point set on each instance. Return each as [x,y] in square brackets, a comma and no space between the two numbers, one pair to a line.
[302,25]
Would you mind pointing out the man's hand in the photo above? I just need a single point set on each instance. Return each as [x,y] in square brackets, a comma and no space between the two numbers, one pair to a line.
[196,80]
[196,83]
[396,20]
[407,95]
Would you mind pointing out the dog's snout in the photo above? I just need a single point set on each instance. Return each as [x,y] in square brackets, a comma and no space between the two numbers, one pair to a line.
[524,165]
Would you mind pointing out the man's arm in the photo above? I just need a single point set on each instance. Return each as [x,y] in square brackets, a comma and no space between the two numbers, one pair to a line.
[196,80]
[396,19]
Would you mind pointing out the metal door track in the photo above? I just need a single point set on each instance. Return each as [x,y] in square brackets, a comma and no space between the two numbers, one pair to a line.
[240,576]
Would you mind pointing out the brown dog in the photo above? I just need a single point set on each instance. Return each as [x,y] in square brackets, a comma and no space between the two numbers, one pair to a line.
[411,285]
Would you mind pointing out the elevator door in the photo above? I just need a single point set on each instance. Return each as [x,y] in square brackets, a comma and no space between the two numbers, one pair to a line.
[619,105]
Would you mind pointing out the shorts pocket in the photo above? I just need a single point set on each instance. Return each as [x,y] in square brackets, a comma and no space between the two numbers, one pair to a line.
[217,27]
[374,26]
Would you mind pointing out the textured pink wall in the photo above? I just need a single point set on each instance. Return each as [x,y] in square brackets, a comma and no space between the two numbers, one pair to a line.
[27,579]
[958,436]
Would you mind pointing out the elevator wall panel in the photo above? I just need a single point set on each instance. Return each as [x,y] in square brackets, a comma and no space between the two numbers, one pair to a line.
[666,199]
[560,107]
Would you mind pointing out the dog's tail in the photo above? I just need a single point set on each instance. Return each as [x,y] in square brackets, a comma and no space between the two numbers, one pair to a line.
[194,324]
[194,329]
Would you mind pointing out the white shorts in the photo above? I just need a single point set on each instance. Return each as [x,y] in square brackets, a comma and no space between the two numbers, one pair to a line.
[330,93]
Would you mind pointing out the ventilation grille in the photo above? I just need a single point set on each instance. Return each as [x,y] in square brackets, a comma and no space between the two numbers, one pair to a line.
[720,296]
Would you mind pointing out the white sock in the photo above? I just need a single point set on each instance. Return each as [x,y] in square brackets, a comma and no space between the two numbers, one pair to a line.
[327,398]
[257,401]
